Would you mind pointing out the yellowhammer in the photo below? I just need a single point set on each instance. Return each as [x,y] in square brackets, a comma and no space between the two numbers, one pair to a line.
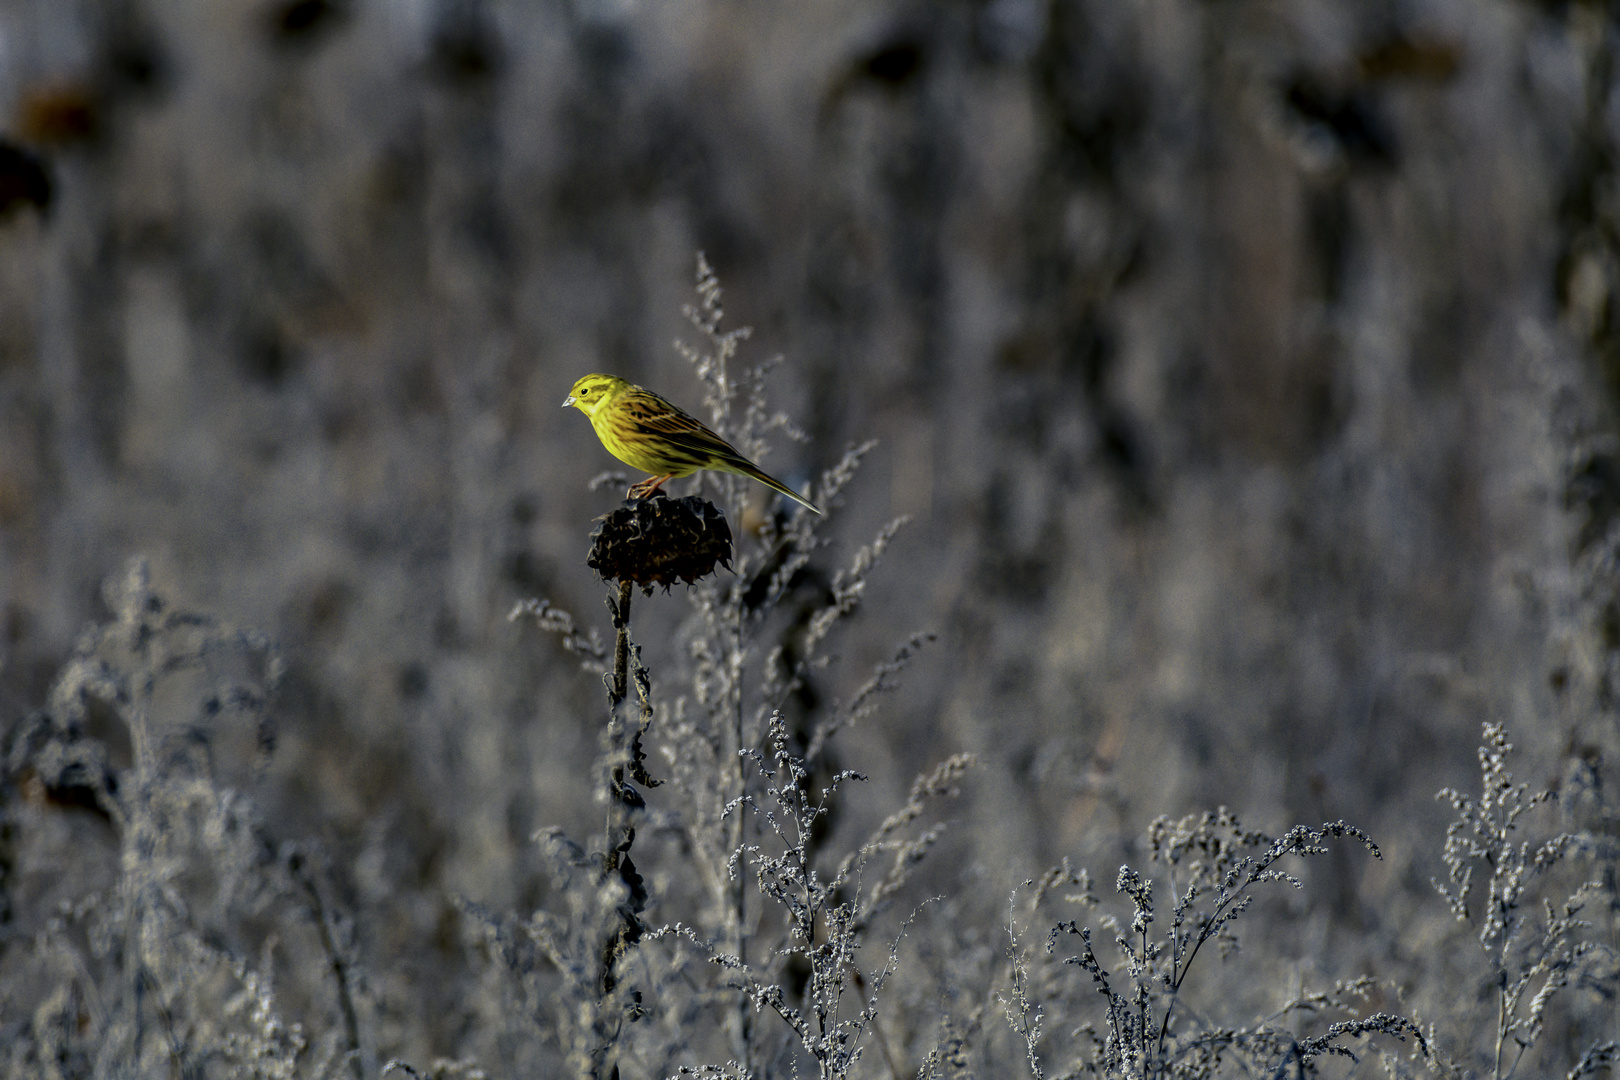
[646,432]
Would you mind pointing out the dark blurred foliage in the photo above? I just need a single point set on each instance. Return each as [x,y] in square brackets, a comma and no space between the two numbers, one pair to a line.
[23,179]
[1247,370]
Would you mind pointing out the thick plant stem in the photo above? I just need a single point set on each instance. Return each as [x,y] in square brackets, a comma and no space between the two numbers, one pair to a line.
[623,802]
[621,644]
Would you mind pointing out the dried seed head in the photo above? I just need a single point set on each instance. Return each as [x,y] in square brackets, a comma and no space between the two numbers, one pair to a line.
[660,541]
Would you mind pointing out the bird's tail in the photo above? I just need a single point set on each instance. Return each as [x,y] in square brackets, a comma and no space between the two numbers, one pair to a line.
[747,468]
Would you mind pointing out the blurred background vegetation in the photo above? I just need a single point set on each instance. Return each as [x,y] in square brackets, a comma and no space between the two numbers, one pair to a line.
[1247,370]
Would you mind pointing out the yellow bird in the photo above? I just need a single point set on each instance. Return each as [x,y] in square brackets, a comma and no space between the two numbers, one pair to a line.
[646,432]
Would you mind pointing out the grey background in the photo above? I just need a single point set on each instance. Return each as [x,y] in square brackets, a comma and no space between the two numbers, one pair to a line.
[1245,368]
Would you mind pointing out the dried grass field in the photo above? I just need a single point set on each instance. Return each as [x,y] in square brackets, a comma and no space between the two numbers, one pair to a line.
[1208,665]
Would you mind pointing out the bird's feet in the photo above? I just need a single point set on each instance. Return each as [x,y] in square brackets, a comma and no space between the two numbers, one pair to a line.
[646,487]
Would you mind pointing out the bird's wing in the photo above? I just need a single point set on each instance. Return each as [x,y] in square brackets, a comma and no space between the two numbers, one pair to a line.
[686,436]
[653,416]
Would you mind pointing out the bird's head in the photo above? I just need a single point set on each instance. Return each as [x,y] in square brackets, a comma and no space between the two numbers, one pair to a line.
[593,391]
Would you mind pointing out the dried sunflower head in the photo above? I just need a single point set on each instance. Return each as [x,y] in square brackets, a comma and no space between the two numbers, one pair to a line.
[660,541]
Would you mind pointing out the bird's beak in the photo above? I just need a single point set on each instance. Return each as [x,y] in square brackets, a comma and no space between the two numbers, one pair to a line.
[569,402]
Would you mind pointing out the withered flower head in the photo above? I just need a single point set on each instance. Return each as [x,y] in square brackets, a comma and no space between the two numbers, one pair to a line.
[660,541]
